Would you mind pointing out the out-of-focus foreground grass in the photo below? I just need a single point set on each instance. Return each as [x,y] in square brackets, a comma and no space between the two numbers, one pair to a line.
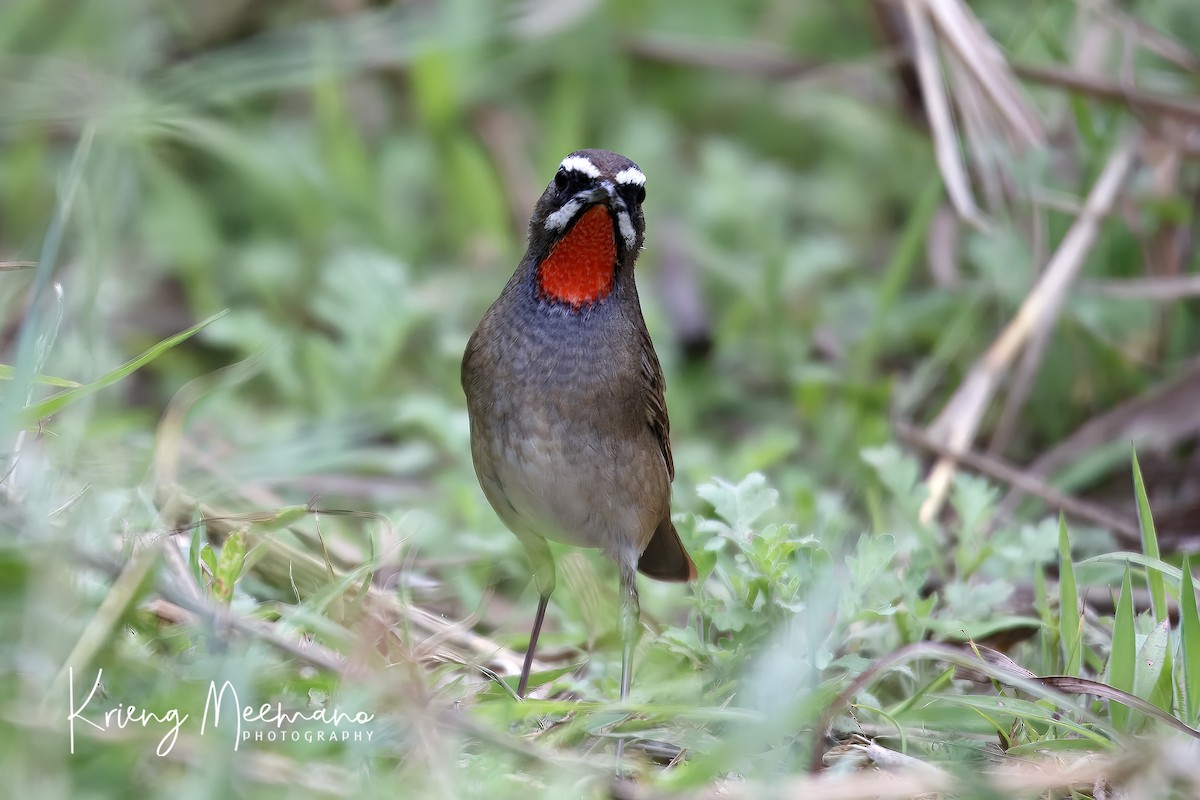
[296,212]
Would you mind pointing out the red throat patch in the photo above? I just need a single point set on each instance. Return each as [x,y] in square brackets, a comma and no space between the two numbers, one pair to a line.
[579,268]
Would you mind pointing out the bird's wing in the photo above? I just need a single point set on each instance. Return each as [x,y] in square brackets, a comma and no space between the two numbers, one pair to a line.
[656,401]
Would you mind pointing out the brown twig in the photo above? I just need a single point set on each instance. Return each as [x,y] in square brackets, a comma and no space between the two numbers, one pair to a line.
[1001,470]
[695,52]
[1113,91]
[1160,290]
[1156,419]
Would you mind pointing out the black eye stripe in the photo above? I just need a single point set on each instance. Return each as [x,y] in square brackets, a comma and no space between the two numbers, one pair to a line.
[574,180]
[633,192]
[570,179]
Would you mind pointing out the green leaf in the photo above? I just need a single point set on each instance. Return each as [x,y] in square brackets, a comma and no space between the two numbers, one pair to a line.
[56,402]
[974,499]
[1122,661]
[741,505]
[229,566]
[209,557]
[196,547]
[900,475]
[1070,622]
[871,560]
[1189,645]
[897,471]
[1158,593]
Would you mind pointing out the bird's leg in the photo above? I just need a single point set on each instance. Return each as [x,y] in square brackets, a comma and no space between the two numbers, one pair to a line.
[533,637]
[631,612]
[544,579]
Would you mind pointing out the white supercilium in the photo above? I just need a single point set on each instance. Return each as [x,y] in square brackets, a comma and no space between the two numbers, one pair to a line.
[631,175]
[580,164]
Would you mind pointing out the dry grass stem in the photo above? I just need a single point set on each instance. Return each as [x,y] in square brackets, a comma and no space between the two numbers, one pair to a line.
[959,420]
[1022,386]
[981,56]
[937,110]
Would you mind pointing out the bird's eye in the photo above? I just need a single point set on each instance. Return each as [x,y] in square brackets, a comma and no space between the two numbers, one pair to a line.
[561,180]
[639,194]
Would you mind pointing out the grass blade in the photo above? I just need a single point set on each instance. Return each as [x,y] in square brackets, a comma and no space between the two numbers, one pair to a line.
[195,547]
[1122,662]
[1158,592]
[1070,623]
[1153,659]
[55,403]
[1189,641]
[28,361]
[7,373]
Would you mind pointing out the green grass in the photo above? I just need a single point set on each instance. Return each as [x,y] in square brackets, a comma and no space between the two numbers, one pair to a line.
[235,448]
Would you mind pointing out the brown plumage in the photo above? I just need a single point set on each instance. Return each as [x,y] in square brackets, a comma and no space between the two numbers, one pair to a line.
[569,429]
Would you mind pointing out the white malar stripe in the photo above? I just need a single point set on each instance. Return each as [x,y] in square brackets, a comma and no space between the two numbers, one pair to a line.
[626,227]
[631,175]
[580,164]
[561,218]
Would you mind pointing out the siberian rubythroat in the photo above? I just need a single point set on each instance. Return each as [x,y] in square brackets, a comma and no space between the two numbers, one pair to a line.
[569,429]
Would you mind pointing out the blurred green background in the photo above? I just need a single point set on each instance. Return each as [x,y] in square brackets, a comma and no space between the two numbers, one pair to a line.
[350,181]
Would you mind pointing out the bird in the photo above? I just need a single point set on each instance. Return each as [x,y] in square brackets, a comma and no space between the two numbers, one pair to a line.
[570,437]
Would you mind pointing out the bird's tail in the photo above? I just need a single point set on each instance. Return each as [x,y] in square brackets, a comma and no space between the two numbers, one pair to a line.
[665,559]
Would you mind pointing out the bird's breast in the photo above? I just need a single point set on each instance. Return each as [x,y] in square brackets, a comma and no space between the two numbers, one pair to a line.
[558,434]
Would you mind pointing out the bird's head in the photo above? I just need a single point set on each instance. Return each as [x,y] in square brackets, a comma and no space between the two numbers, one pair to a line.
[587,227]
